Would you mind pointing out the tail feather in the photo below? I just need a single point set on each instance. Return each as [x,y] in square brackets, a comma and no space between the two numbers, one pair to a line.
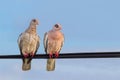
[26,65]
[50,64]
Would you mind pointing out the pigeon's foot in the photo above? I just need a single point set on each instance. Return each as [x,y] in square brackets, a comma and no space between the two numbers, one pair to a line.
[26,55]
[32,54]
[50,55]
[56,55]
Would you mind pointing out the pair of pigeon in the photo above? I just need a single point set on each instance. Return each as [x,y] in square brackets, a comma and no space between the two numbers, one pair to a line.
[29,42]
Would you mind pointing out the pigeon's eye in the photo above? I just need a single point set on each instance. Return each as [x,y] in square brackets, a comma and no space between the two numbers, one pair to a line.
[34,20]
[56,25]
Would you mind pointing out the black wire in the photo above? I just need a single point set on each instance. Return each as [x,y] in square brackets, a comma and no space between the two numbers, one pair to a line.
[69,55]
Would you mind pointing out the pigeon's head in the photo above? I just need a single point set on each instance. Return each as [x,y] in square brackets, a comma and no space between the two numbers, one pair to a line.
[34,22]
[57,27]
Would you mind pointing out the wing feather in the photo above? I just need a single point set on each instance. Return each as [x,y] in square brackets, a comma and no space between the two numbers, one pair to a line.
[38,43]
[19,42]
[45,41]
[62,43]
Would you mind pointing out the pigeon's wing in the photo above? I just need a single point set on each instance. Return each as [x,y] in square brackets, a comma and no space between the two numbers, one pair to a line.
[19,39]
[45,41]
[38,43]
[62,42]
[19,42]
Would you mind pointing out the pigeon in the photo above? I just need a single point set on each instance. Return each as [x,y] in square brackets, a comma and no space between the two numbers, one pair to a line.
[53,42]
[28,43]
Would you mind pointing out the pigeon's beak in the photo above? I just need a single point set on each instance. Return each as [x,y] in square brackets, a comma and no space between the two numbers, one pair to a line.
[37,23]
[60,28]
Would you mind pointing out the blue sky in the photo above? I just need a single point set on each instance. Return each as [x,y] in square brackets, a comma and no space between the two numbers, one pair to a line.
[88,25]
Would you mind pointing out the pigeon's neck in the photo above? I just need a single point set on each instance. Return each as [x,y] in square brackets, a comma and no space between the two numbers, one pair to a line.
[31,29]
[55,31]
[55,34]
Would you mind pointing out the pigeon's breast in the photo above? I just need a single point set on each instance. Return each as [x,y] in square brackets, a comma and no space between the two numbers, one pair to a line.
[29,43]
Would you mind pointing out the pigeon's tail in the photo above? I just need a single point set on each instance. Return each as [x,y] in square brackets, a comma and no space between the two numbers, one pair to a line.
[50,64]
[26,64]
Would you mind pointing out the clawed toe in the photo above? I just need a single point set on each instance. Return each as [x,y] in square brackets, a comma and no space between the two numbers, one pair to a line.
[50,55]
[32,54]
[56,55]
[25,55]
